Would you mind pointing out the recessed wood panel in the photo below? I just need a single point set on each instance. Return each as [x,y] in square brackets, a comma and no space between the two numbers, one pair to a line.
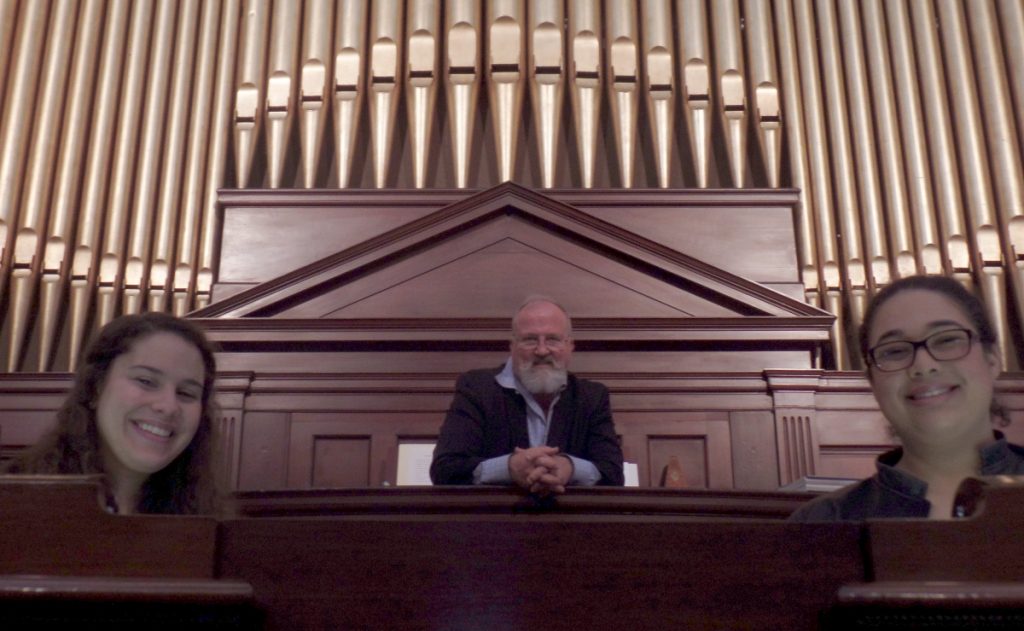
[755,459]
[340,462]
[261,243]
[678,462]
[340,436]
[699,440]
[263,461]
[764,235]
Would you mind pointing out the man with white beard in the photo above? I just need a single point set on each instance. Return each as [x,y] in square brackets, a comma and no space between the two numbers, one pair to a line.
[530,422]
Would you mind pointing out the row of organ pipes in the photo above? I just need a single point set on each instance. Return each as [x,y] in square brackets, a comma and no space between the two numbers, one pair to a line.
[900,122]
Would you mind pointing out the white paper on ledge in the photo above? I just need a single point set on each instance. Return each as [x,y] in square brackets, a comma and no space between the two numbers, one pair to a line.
[632,473]
[414,464]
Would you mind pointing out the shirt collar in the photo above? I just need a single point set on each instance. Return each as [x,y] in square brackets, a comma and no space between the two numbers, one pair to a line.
[507,377]
[995,455]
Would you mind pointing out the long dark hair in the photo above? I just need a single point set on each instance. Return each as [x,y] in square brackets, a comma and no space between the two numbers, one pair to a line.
[188,484]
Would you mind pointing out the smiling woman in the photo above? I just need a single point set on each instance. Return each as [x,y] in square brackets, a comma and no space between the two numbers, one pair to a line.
[932,364]
[141,413]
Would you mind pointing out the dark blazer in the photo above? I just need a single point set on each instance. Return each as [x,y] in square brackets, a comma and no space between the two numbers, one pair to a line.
[892,493]
[486,420]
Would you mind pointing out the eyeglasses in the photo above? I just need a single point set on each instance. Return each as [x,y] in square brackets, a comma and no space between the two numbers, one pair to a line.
[531,342]
[942,346]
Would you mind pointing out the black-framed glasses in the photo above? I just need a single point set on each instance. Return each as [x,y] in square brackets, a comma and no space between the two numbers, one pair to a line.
[943,346]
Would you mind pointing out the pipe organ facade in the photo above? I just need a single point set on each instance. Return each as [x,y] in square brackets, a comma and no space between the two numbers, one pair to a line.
[899,123]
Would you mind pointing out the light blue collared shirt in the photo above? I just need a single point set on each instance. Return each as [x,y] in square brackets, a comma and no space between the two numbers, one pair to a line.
[538,421]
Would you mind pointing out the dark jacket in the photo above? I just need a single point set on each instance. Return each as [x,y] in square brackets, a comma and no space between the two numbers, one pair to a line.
[486,420]
[892,493]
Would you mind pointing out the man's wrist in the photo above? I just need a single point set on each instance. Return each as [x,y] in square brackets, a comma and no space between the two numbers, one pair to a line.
[572,467]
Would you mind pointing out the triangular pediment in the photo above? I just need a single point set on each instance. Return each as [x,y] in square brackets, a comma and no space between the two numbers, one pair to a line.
[478,258]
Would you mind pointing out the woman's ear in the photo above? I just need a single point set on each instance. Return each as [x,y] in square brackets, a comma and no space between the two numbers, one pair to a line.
[995,361]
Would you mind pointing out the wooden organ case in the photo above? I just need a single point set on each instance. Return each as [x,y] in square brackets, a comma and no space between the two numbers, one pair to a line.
[347,317]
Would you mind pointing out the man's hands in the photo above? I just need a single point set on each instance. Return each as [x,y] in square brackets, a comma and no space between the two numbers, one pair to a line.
[541,470]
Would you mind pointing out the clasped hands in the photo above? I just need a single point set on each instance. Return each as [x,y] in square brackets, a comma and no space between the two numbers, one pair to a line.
[541,470]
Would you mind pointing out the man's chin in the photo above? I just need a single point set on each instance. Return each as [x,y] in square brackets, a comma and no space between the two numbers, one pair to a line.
[550,383]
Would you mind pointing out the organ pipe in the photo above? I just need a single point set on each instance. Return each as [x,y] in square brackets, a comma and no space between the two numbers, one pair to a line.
[899,123]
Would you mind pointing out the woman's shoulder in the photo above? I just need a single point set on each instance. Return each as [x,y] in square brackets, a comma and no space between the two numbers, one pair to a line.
[832,506]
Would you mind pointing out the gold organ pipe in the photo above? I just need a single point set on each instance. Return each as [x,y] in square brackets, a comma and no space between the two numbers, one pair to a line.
[832,301]
[17,120]
[385,62]
[842,167]
[71,162]
[190,220]
[764,86]
[940,151]
[547,78]
[218,148]
[98,163]
[349,83]
[817,148]
[927,255]
[462,80]
[860,115]
[169,206]
[658,50]
[286,21]
[506,54]
[695,77]
[974,166]
[317,23]
[1011,17]
[35,200]
[725,22]
[807,231]
[249,97]
[623,70]
[1003,146]
[585,81]
[143,215]
[111,266]
[8,13]
[422,34]
[839,142]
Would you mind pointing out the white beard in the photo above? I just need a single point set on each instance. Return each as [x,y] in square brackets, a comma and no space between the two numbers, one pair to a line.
[543,378]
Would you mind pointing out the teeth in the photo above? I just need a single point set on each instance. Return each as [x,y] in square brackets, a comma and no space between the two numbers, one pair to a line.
[153,429]
[931,392]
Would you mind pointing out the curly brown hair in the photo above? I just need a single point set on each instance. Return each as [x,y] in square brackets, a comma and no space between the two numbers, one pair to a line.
[188,484]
